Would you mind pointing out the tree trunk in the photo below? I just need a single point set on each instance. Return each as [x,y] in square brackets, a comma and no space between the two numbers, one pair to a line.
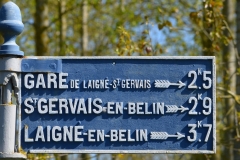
[237,145]
[41,24]
[84,27]
[85,156]
[64,157]
[229,81]
[62,27]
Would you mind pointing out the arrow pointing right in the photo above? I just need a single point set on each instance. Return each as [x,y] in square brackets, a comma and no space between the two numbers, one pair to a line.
[174,108]
[165,135]
[178,136]
[182,109]
[166,84]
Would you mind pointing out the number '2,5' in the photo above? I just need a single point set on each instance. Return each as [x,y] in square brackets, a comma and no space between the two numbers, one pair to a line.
[207,84]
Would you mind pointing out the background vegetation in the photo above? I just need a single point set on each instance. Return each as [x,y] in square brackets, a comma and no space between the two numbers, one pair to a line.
[145,28]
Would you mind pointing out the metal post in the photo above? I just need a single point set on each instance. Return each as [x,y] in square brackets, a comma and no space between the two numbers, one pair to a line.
[10,69]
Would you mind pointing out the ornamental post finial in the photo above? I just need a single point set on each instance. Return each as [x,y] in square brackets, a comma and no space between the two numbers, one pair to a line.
[10,26]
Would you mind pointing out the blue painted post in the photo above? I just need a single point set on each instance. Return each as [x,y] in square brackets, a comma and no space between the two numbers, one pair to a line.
[10,59]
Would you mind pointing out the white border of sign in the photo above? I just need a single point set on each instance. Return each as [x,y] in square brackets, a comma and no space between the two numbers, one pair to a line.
[18,134]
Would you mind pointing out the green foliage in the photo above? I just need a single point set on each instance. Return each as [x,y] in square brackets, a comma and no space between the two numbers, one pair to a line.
[139,18]
[212,26]
[142,28]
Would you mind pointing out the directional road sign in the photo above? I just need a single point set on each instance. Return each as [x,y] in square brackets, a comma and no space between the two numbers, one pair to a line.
[118,105]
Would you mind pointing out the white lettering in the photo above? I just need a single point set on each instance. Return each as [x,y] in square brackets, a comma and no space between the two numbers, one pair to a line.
[96,84]
[67,133]
[29,84]
[42,109]
[113,135]
[122,133]
[63,103]
[48,133]
[91,135]
[52,105]
[110,107]
[158,108]
[134,84]
[146,109]
[143,135]
[62,81]
[40,134]
[56,136]
[26,139]
[139,107]
[74,83]
[77,133]
[40,81]
[57,133]
[52,79]
[81,106]
[129,137]
[100,135]
[89,105]
[73,107]
[131,108]
[30,107]
[96,103]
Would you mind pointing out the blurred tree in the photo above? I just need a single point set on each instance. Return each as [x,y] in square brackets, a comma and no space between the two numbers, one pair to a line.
[2,2]
[84,27]
[62,36]
[229,81]
[41,24]
[237,118]
[62,27]
[150,28]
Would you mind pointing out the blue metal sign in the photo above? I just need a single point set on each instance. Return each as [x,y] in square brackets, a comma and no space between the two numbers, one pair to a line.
[118,105]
